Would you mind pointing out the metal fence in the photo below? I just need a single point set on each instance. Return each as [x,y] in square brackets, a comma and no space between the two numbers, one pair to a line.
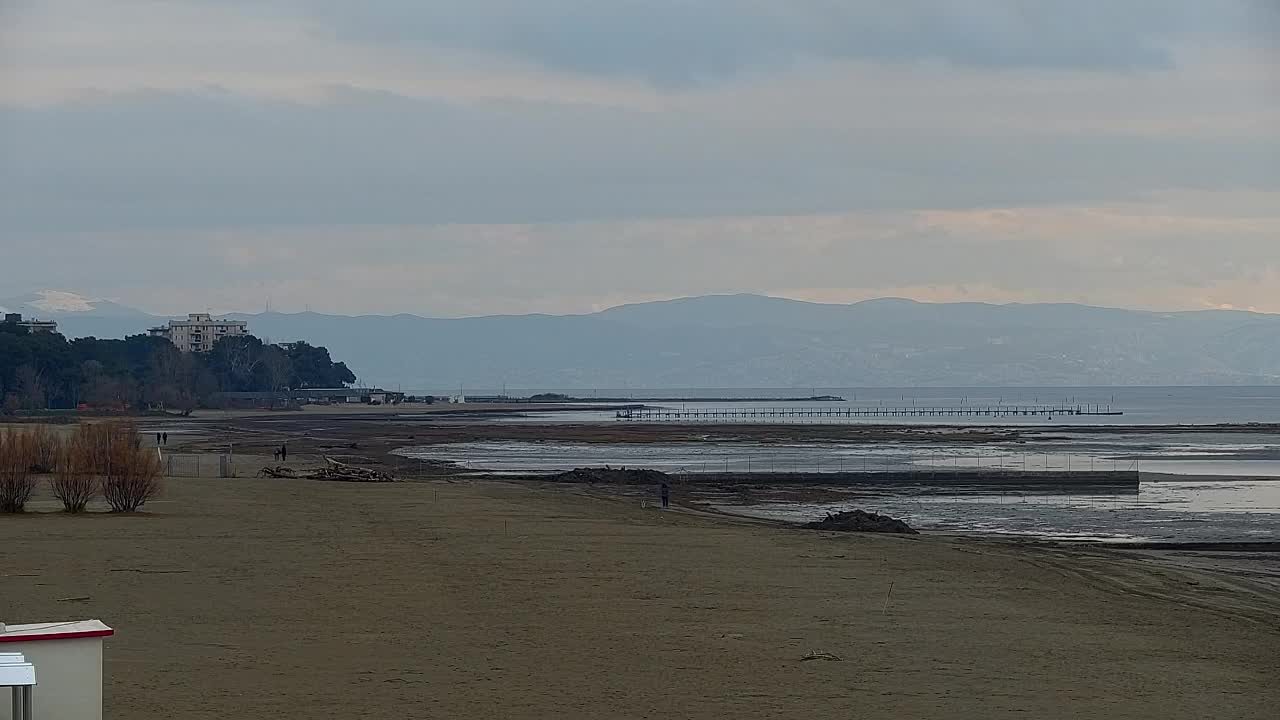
[199,465]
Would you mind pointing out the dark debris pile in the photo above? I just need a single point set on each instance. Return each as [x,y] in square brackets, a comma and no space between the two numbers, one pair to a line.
[860,521]
[612,476]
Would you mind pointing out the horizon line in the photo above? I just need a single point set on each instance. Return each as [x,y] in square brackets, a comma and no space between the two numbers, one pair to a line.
[675,299]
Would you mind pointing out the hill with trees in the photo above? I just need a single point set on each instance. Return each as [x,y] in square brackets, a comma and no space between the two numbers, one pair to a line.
[744,341]
[46,371]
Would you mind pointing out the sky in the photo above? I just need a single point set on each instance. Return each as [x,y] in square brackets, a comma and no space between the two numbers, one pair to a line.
[462,157]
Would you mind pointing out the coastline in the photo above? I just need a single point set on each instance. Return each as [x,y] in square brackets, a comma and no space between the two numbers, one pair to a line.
[379,436]
[495,599]
[1255,563]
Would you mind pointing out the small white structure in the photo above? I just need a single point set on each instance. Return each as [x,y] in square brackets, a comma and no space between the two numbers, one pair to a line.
[67,657]
[20,677]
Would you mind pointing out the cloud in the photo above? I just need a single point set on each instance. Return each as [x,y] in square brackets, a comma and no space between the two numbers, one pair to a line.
[1184,250]
[494,155]
[681,42]
[629,52]
[75,50]
[216,160]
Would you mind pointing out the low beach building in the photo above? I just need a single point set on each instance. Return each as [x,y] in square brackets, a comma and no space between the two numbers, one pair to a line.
[310,396]
[199,332]
[337,396]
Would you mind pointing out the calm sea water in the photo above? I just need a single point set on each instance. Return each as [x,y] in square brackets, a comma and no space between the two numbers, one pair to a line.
[1162,511]
[1240,502]
[1140,405]
[1229,487]
[1213,454]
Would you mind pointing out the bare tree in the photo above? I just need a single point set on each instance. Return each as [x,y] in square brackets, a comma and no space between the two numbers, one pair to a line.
[107,391]
[276,366]
[242,358]
[167,376]
[17,452]
[30,382]
[131,474]
[45,448]
[75,480]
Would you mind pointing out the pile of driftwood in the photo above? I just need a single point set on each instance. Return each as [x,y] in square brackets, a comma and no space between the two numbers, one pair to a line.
[617,476]
[333,471]
[860,521]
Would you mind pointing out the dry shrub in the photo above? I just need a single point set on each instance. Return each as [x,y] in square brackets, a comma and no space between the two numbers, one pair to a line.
[17,454]
[97,441]
[130,474]
[45,449]
[75,479]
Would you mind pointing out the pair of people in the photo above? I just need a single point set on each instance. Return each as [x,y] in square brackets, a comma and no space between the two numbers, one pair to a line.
[282,453]
[162,438]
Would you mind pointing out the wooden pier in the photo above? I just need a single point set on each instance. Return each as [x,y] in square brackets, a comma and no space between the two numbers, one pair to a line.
[940,480]
[659,414]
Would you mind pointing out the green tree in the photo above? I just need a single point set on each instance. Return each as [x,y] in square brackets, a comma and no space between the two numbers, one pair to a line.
[312,367]
[39,370]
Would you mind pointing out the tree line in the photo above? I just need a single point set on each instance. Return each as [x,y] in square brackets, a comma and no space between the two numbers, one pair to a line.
[46,371]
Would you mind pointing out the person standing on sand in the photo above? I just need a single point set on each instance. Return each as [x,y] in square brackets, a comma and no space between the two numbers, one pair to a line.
[664,491]
[157,439]
[166,438]
[284,452]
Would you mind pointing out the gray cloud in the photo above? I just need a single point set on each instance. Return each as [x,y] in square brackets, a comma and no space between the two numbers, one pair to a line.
[1150,254]
[329,154]
[684,41]
[207,161]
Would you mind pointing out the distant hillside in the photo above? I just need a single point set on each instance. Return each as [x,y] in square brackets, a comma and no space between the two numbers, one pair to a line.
[755,341]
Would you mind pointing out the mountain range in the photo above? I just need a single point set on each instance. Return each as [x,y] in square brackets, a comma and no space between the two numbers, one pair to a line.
[758,341]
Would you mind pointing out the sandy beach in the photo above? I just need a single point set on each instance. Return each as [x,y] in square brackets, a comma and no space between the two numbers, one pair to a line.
[302,599]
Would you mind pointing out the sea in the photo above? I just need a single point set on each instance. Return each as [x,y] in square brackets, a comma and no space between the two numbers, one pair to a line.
[1140,405]
[1208,457]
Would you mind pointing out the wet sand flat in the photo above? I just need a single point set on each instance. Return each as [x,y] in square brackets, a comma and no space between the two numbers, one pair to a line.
[300,599]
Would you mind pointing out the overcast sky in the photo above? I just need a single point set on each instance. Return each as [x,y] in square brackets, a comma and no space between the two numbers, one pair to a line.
[454,157]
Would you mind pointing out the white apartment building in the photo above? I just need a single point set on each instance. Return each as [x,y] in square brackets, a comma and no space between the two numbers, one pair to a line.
[199,332]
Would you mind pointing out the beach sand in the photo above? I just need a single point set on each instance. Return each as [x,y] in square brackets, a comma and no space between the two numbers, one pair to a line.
[301,599]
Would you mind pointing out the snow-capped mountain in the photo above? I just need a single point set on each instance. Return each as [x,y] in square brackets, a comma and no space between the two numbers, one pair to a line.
[79,316]
[53,304]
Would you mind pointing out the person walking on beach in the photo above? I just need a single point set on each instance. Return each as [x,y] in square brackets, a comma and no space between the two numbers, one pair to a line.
[157,439]
[165,436]
[664,491]
[284,452]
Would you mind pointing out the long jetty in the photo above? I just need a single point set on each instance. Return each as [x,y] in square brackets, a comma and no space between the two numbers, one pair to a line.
[659,414]
[940,480]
